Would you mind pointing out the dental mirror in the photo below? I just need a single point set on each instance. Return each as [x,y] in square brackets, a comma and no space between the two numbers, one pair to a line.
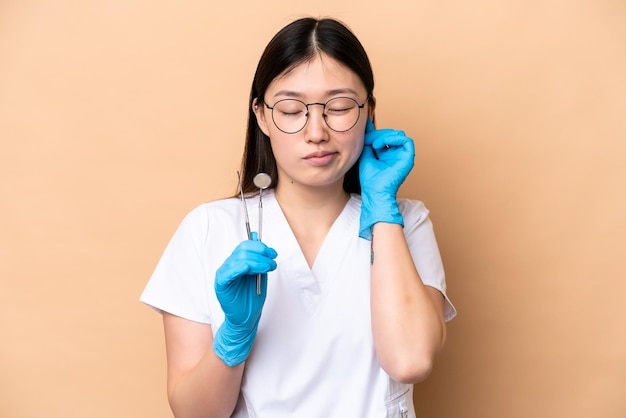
[262,181]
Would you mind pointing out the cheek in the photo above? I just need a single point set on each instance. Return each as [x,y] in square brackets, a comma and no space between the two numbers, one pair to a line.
[281,147]
[356,147]
[359,139]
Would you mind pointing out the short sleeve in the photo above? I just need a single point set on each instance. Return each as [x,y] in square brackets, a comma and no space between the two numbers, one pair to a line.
[420,235]
[178,284]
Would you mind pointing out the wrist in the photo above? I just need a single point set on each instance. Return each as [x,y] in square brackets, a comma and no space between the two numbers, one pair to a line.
[233,344]
[375,210]
[375,198]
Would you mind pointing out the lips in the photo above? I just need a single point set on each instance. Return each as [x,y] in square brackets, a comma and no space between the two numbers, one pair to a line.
[318,154]
[320,158]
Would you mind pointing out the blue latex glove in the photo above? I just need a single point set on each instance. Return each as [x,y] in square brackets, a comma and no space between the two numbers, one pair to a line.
[385,163]
[236,287]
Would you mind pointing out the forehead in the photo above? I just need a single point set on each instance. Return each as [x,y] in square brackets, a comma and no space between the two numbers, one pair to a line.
[316,77]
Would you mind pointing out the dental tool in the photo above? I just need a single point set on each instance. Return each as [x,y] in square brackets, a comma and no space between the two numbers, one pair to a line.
[245,207]
[262,181]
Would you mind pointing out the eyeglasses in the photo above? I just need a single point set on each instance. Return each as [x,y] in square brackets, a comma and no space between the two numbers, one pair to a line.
[291,115]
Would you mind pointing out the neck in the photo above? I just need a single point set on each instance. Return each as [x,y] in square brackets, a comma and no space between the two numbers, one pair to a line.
[310,212]
[311,198]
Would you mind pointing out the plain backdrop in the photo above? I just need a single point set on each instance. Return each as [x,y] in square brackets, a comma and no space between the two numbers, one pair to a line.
[118,117]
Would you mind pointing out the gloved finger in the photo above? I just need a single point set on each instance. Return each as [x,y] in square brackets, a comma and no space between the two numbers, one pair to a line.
[392,139]
[236,269]
[259,263]
[370,132]
[242,287]
[367,153]
[371,137]
[249,262]
[247,258]
[254,245]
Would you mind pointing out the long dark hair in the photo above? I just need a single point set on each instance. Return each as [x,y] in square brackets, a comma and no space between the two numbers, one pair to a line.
[296,43]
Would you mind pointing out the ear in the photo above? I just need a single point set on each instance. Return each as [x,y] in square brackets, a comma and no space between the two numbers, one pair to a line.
[259,112]
[371,108]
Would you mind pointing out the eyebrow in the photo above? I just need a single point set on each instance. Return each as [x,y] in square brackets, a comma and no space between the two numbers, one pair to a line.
[333,92]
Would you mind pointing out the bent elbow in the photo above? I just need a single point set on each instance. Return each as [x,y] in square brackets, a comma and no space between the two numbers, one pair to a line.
[410,372]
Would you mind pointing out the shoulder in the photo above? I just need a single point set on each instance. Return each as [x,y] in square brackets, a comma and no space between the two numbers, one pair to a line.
[206,210]
[412,205]
[209,214]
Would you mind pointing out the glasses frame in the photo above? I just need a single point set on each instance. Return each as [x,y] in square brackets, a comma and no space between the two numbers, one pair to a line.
[306,105]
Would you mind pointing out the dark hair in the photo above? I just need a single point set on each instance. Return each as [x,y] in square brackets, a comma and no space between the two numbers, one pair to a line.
[296,43]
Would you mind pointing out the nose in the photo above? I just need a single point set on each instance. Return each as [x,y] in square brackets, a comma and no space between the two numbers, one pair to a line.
[316,129]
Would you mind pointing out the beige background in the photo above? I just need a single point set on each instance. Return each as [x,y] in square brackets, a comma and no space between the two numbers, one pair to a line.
[117,117]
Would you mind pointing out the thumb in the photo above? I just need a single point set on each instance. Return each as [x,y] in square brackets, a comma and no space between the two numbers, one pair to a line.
[369,127]
[367,153]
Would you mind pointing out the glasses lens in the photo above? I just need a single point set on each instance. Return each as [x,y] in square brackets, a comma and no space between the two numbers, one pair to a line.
[289,115]
[342,113]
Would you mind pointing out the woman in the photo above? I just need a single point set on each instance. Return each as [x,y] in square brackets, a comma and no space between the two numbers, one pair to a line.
[351,307]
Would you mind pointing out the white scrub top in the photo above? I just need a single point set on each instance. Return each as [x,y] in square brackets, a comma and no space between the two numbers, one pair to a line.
[314,353]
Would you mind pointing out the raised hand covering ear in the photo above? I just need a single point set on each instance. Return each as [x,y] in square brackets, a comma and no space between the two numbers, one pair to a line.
[385,163]
[236,290]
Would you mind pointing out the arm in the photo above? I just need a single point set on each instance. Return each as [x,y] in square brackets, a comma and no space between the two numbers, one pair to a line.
[199,384]
[205,372]
[407,316]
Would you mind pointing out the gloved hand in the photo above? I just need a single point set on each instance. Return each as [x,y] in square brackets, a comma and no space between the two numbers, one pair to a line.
[236,290]
[385,163]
